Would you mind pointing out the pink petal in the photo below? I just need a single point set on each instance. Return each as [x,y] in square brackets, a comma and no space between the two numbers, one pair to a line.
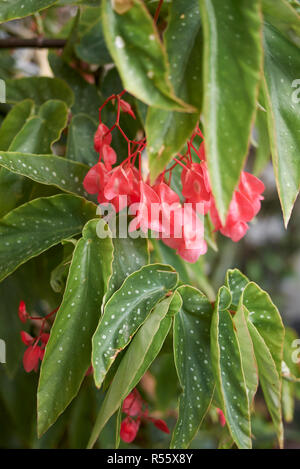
[26,338]
[31,358]
[22,311]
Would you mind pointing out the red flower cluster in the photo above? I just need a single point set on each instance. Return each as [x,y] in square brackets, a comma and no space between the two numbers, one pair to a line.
[157,207]
[35,345]
[244,206]
[133,406]
[34,351]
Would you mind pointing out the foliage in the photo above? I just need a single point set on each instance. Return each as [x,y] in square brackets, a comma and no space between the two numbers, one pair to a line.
[135,308]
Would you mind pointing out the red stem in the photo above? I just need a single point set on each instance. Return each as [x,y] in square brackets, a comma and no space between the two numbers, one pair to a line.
[157,12]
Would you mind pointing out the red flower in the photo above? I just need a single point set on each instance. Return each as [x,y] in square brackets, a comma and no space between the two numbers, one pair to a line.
[244,206]
[96,179]
[26,338]
[157,207]
[126,108]
[190,243]
[169,205]
[23,315]
[31,358]
[129,429]
[109,156]
[35,345]
[195,185]
[44,337]
[161,425]
[148,217]
[222,418]
[120,182]
[252,188]
[133,404]
[102,137]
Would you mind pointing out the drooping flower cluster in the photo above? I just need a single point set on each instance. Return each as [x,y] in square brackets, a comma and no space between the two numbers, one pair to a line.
[157,206]
[244,206]
[35,350]
[136,410]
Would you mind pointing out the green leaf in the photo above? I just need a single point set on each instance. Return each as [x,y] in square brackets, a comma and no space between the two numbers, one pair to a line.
[52,170]
[87,98]
[290,374]
[282,68]
[36,136]
[81,421]
[283,17]
[266,318]
[36,226]
[14,121]
[39,89]
[193,363]
[41,131]
[68,352]
[19,8]
[129,256]
[236,282]
[269,379]
[263,151]
[166,131]
[247,352]
[289,351]
[139,55]
[167,386]
[126,311]
[80,144]
[288,401]
[167,255]
[10,185]
[91,47]
[228,371]
[143,349]
[59,274]
[231,29]
[193,274]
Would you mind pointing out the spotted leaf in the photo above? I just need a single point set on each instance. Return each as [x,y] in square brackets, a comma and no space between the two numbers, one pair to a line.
[31,229]
[231,388]
[129,256]
[183,39]
[126,311]
[193,363]
[142,350]
[139,55]
[68,352]
[51,170]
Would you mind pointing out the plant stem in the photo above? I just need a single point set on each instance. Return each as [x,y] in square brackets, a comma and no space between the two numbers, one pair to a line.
[38,43]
